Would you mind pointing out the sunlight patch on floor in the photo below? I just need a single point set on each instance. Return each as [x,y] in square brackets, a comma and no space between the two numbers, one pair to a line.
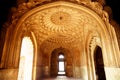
[62,78]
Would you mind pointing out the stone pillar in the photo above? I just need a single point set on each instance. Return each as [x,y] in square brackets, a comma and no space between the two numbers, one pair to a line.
[76,62]
[46,67]
[38,65]
[69,65]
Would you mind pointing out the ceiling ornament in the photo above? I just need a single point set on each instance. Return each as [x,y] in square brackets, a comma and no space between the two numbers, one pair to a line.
[61,24]
[61,19]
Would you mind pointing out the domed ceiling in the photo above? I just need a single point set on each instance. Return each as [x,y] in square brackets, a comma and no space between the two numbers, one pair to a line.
[60,25]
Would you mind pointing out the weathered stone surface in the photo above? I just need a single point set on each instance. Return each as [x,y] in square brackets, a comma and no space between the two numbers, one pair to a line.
[8,74]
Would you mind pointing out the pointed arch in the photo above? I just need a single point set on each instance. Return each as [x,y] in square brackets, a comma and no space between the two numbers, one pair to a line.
[99,64]
[26,59]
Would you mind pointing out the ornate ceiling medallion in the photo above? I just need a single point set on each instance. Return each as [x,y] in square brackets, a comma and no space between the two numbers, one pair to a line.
[61,19]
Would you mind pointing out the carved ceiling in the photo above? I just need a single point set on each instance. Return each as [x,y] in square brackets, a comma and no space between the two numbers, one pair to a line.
[59,25]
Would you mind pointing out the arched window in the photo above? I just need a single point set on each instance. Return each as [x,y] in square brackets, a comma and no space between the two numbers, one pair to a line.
[61,56]
[26,60]
[61,63]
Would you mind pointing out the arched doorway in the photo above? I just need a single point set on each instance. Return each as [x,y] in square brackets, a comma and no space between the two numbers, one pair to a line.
[99,64]
[26,60]
[53,67]
[57,64]
[61,64]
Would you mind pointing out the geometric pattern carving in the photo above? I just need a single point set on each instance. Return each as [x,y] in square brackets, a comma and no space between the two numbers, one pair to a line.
[60,24]
[61,19]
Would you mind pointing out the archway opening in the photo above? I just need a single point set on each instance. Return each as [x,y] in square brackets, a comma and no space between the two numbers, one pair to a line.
[61,63]
[26,60]
[99,64]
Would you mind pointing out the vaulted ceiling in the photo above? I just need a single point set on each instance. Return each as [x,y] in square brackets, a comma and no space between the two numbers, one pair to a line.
[61,24]
[75,26]
[57,26]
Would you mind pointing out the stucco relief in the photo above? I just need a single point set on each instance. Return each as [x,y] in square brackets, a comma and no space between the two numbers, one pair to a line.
[65,22]
[62,19]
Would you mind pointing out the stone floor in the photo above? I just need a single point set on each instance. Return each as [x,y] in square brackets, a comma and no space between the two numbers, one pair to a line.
[62,78]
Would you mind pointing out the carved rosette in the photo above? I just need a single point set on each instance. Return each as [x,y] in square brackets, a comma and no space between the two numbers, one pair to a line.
[60,19]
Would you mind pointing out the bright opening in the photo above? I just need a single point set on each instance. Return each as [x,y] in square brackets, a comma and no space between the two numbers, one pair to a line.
[61,65]
[61,57]
[26,60]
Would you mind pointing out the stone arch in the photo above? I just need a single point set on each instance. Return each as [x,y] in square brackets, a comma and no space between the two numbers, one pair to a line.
[95,38]
[91,43]
[34,54]
[16,49]
[102,28]
[26,58]
[67,60]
